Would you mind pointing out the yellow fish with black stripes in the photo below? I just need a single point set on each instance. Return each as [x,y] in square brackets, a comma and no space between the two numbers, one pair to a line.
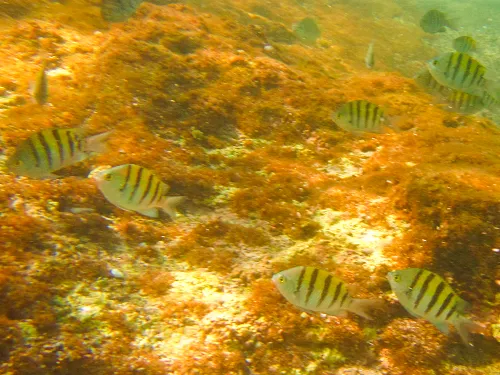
[460,71]
[359,116]
[314,290]
[52,149]
[427,295]
[135,188]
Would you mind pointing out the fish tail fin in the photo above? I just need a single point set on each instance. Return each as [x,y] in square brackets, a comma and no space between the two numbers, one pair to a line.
[97,143]
[465,326]
[169,204]
[361,307]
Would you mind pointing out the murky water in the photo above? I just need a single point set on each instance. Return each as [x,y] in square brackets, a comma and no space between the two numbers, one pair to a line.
[249,187]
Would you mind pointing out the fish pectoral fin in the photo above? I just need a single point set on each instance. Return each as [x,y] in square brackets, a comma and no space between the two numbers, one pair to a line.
[150,212]
[443,327]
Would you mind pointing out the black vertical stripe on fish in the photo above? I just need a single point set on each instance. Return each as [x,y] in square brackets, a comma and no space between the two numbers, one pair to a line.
[450,313]
[358,113]
[148,188]
[71,143]
[35,152]
[367,115]
[448,67]
[136,184]
[467,70]
[474,76]
[415,281]
[344,297]
[301,279]
[324,292]
[351,113]
[46,148]
[312,284]
[424,288]
[375,114]
[336,295]
[60,146]
[445,304]
[457,66]
[79,144]
[157,190]
[435,297]
[127,177]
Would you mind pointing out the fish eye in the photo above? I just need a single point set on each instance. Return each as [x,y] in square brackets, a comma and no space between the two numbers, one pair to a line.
[397,278]
[108,177]
[281,279]
[435,62]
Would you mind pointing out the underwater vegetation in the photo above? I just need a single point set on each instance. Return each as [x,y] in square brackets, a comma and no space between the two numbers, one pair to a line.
[227,105]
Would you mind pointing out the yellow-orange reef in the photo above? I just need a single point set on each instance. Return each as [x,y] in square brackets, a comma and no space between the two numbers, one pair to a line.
[245,133]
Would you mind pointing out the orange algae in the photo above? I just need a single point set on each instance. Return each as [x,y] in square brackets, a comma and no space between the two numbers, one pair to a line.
[192,95]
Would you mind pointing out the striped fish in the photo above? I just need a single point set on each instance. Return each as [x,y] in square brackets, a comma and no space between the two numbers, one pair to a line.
[435,21]
[465,44]
[315,290]
[135,188]
[119,10]
[463,102]
[426,295]
[425,80]
[360,116]
[459,71]
[52,149]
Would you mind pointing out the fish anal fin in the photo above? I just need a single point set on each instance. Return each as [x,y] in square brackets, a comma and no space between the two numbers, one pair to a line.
[150,212]
[465,326]
[443,327]
[169,204]
[362,306]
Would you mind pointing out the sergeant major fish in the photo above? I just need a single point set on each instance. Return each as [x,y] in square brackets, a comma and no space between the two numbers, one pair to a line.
[52,149]
[360,116]
[463,102]
[307,30]
[465,44]
[134,188]
[426,295]
[119,10]
[459,71]
[435,21]
[315,290]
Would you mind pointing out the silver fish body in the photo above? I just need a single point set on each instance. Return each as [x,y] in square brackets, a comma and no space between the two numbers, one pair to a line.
[370,57]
